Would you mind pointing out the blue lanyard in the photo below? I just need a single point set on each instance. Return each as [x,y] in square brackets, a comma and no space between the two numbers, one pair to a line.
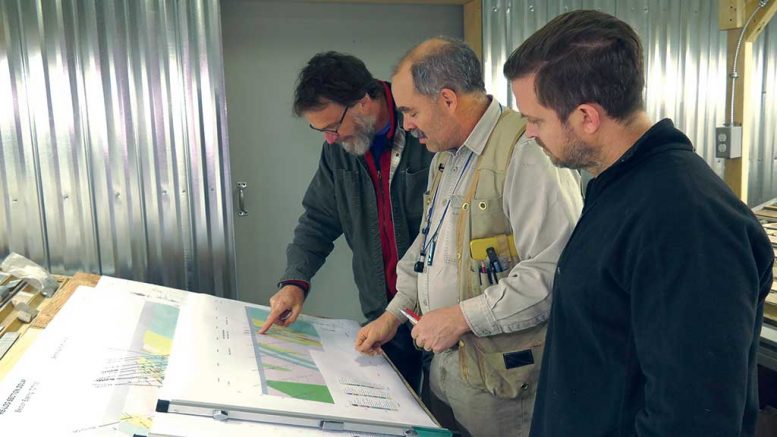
[425,230]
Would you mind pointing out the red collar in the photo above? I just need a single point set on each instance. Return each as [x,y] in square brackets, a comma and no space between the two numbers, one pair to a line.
[392,116]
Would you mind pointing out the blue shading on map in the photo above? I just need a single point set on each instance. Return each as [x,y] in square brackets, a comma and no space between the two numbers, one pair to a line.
[283,357]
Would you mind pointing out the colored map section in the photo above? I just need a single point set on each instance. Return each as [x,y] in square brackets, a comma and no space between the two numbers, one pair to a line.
[138,371]
[135,425]
[297,390]
[283,357]
[145,361]
[160,321]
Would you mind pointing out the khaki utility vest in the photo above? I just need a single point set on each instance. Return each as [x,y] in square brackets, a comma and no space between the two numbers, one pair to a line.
[505,365]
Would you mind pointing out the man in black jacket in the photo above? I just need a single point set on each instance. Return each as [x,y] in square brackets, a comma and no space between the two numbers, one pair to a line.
[369,186]
[658,296]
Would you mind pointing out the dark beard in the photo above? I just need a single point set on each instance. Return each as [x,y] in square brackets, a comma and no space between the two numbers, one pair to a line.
[577,155]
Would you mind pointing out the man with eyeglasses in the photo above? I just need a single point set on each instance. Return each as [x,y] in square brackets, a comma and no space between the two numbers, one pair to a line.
[369,186]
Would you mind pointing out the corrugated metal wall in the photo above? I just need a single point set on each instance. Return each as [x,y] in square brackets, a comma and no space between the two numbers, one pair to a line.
[113,151]
[685,62]
[762,182]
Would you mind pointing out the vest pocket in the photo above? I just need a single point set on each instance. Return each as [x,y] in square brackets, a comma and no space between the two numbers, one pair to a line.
[482,278]
[486,216]
[481,273]
[505,365]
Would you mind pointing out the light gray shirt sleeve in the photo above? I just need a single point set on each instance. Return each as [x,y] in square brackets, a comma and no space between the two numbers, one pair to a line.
[543,204]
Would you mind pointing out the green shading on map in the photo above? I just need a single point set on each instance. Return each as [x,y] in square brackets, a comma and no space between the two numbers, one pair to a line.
[311,392]
[284,356]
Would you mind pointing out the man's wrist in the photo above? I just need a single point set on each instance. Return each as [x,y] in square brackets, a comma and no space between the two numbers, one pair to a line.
[474,312]
[392,319]
[394,311]
[304,285]
[461,321]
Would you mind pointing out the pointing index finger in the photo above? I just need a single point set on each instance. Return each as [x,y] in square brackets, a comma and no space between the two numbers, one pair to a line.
[275,314]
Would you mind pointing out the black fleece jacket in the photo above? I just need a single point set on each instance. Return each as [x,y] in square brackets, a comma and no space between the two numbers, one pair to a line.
[658,303]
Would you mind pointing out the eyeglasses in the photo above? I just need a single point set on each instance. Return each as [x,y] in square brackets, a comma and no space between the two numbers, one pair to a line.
[331,130]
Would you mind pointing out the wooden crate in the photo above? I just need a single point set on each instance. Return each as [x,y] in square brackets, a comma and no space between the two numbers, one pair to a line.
[48,308]
[768,217]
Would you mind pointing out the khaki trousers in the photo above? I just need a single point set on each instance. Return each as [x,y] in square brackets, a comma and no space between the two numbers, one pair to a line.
[479,412]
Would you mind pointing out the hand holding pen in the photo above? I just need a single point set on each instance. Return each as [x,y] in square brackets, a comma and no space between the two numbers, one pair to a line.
[439,329]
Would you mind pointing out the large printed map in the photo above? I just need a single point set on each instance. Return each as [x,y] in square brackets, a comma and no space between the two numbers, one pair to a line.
[308,369]
[283,356]
[114,352]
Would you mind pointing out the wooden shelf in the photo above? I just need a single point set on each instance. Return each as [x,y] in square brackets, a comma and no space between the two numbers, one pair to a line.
[768,216]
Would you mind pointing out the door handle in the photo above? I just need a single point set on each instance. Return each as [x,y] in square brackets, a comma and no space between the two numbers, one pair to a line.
[241,199]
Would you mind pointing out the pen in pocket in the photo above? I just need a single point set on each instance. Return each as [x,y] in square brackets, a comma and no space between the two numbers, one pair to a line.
[493,260]
[486,270]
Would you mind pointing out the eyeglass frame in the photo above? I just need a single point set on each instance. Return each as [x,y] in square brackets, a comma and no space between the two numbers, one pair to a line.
[339,124]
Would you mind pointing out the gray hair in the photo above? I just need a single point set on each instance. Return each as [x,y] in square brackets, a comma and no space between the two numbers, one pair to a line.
[453,65]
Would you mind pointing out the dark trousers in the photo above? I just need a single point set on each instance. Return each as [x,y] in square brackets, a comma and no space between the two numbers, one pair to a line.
[406,358]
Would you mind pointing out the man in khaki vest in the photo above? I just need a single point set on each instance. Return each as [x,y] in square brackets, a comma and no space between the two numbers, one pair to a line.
[497,215]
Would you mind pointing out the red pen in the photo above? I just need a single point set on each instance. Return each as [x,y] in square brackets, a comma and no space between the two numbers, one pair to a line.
[411,316]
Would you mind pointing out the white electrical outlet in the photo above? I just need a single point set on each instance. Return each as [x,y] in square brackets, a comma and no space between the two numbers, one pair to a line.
[728,142]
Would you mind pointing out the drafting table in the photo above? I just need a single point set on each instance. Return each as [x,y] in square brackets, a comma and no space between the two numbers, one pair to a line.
[105,318]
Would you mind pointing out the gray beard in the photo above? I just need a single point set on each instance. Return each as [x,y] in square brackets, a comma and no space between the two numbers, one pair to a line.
[418,133]
[361,140]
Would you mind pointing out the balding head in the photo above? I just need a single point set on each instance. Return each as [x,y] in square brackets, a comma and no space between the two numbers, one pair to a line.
[439,89]
[421,51]
[440,63]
